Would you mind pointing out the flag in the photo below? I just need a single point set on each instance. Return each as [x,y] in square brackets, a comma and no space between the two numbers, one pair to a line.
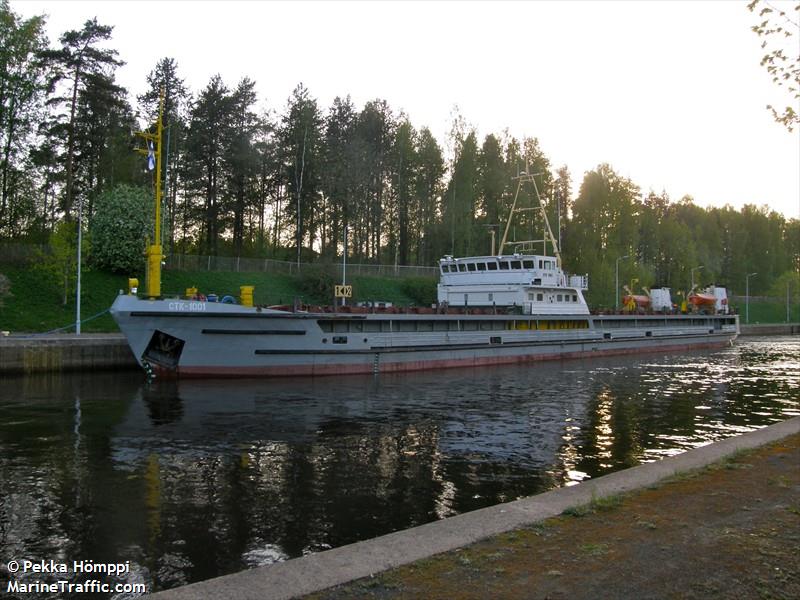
[151,157]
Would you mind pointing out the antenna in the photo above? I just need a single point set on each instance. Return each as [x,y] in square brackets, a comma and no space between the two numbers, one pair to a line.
[548,232]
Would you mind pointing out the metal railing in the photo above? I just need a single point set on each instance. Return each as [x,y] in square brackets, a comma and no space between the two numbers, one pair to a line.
[240,264]
[21,254]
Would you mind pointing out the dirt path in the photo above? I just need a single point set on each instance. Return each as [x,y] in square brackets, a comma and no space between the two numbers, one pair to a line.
[731,530]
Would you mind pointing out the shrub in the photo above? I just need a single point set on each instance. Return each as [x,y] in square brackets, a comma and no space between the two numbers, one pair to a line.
[120,227]
[58,266]
[317,282]
[422,290]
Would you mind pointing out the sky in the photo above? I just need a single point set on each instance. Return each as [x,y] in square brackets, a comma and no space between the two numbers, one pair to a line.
[670,94]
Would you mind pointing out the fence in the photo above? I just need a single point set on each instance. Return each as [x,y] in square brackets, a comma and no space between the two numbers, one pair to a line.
[22,254]
[238,264]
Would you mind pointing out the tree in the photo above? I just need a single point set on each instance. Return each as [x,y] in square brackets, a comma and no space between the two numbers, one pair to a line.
[203,171]
[22,87]
[461,198]
[492,182]
[604,227]
[300,134]
[58,265]
[122,220]
[374,137]
[102,129]
[778,33]
[241,159]
[404,211]
[427,189]
[80,60]
[338,180]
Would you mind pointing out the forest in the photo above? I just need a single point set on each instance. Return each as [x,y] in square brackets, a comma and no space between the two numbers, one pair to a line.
[244,179]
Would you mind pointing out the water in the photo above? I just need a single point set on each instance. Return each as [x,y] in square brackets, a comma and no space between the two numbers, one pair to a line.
[190,480]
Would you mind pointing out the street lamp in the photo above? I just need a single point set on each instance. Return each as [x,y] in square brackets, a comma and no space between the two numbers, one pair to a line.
[747,297]
[616,281]
[344,261]
[693,270]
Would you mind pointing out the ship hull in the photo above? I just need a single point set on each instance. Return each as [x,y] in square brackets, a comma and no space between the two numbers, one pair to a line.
[200,339]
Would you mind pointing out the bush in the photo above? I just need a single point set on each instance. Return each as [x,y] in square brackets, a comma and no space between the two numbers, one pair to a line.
[422,290]
[317,282]
[120,227]
[58,266]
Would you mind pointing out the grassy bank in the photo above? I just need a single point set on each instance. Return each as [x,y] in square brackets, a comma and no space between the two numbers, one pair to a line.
[35,306]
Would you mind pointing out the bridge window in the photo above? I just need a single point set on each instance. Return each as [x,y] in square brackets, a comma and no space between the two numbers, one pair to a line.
[559,298]
[470,266]
[516,264]
[492,266]
[481,266]
[462,267]
[504,265]
[528,264]
[539,297]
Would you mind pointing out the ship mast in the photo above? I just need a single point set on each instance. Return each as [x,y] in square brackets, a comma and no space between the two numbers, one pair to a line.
[154,250]
[548,232]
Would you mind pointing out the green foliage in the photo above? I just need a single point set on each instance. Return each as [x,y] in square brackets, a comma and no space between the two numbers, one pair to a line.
[22,89]
[31,310]
[316,283]
[5,288]
[120,226]
[787,282]
[422,290]
[58,267]
[778,33]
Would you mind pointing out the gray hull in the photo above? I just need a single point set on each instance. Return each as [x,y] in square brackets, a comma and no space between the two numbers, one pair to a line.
[203,339]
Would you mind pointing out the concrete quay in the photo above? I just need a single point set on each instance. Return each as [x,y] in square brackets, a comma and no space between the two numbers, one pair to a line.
[317,572]
[27,354]
[770,329]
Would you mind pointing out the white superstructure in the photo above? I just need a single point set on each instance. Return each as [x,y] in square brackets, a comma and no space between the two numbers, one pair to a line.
[534,283]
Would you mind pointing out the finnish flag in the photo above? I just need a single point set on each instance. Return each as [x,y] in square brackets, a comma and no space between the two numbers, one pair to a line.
[151,157]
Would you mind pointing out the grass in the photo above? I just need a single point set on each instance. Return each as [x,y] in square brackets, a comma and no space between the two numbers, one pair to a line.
[600,504]
[35,306]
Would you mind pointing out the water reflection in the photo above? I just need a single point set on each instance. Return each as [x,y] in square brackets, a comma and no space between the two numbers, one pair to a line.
[189,480]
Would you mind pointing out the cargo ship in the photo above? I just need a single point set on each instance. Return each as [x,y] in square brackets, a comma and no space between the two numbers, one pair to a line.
[502,308]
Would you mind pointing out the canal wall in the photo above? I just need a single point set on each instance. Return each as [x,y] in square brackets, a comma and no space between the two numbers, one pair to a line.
[771,329]
[316,572]
[66,352]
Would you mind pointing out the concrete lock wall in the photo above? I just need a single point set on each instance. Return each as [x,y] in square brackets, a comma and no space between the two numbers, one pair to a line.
[39,354]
